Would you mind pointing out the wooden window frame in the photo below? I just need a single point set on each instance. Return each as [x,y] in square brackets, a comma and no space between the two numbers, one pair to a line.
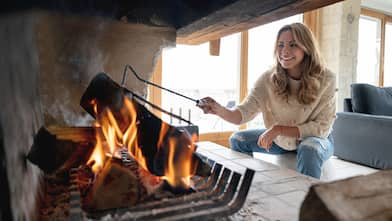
[384,19]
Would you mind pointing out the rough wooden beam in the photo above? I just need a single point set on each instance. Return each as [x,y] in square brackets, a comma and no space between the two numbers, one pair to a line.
[243,15]
[215,47]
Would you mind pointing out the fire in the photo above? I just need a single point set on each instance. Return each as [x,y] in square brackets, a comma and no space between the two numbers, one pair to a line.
[118,130]
[98,156]
[130,135]
[179,168]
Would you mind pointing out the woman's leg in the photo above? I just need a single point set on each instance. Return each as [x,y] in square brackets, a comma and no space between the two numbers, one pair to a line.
[312,152]
[245,141]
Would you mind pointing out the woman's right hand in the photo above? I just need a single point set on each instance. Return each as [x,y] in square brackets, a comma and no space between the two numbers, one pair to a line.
[209,106]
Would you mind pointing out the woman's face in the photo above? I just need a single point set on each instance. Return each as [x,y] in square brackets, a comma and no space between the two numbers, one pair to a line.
[290,56]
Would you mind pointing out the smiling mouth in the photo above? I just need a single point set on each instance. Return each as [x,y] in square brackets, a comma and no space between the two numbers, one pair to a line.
[286,59]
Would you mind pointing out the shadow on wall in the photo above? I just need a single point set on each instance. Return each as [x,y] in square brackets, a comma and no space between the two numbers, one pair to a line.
[5,209]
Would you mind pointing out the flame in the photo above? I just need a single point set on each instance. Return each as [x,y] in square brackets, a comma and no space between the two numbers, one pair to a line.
[162,133]
[180,167]
[117,130]
[116,134]
[98,156]
[130,136]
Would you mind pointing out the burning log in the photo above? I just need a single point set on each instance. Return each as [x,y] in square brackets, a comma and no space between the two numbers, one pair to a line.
[58,149]
[116,186]
[155,140]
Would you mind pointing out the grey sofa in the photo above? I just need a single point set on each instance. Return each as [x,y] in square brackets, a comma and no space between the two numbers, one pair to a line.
[363,132]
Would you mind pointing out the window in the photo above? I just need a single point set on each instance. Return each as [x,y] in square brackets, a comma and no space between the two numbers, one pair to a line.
[191,71]
[374,49]
[369,50]
[260,54]
[388,55]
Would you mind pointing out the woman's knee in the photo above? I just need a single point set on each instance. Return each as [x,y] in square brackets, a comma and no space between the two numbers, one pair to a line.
[242,141]
[309,146]
[315,147]
[236,141]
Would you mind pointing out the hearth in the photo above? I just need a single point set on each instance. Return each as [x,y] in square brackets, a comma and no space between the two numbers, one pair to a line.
[221,194]
[131,165]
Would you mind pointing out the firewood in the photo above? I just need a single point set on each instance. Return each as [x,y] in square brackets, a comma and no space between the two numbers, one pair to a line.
[115,186]
[75,134]
[52,153]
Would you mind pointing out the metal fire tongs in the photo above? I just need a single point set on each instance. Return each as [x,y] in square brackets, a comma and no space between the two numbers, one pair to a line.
[124,79]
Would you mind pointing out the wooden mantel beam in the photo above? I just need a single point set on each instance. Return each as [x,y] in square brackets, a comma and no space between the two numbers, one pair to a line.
[243,15]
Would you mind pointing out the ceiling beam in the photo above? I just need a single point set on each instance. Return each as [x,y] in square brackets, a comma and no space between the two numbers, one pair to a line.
[243,15]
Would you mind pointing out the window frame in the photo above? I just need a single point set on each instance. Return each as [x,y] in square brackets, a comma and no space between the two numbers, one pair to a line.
[384,19]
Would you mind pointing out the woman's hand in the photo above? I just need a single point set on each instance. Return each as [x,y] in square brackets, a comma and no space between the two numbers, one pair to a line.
[209,106]
[265,140]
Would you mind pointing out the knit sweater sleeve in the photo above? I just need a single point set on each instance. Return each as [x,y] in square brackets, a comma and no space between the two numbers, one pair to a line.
[324,113]
[254,102]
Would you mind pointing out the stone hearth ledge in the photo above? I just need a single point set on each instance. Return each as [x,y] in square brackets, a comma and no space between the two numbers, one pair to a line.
[276,193]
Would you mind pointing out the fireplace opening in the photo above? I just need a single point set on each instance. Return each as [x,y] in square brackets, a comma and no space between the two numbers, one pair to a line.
[130,164]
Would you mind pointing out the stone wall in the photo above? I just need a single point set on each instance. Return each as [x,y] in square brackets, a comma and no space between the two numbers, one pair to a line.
[20,115]
[73,50]
[339,43]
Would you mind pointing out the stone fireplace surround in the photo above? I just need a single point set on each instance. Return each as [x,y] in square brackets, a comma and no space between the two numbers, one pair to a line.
[49,62]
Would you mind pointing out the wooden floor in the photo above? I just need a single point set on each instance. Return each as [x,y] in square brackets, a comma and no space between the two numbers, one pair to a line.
[333,169]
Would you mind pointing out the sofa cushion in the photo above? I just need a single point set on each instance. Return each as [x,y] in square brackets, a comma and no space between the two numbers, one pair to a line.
[369,99]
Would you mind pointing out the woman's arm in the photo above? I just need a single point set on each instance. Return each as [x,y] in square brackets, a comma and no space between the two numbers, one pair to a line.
[210,106]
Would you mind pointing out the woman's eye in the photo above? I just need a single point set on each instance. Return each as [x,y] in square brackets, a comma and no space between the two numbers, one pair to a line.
[280,46]
[293,45]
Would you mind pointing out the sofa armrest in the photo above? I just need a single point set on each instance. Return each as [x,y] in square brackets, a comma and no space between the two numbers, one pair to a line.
[363,138]
[347,105]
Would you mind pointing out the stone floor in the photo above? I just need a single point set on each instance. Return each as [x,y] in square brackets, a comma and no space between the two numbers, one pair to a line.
[277,190]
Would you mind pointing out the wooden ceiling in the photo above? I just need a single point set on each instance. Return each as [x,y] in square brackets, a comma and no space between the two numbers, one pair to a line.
[243,15]
[195,21]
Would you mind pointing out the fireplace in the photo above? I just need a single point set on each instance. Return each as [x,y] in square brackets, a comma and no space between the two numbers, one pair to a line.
[51,51]
[130,165]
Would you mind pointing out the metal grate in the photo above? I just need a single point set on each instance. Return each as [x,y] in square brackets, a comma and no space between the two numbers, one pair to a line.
[221,194]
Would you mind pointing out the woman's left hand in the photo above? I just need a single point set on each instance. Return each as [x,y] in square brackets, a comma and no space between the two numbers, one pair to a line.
[265,140]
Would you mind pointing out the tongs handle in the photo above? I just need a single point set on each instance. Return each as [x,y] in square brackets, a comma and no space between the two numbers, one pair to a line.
[151,83]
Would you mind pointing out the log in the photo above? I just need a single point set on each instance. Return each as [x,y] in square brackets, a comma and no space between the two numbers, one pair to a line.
[60,149]
[75,134]
[116,186]
[359,198]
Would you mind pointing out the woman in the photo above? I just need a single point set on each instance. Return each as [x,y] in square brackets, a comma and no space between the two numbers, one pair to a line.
[297,100]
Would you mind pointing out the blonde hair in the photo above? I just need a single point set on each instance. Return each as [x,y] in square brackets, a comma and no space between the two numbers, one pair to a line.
[312,65]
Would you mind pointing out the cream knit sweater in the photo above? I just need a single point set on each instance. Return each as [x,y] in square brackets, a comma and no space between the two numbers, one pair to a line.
[312,120]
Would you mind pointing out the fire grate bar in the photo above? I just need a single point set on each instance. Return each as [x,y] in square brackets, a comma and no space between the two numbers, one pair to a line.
[221,194]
